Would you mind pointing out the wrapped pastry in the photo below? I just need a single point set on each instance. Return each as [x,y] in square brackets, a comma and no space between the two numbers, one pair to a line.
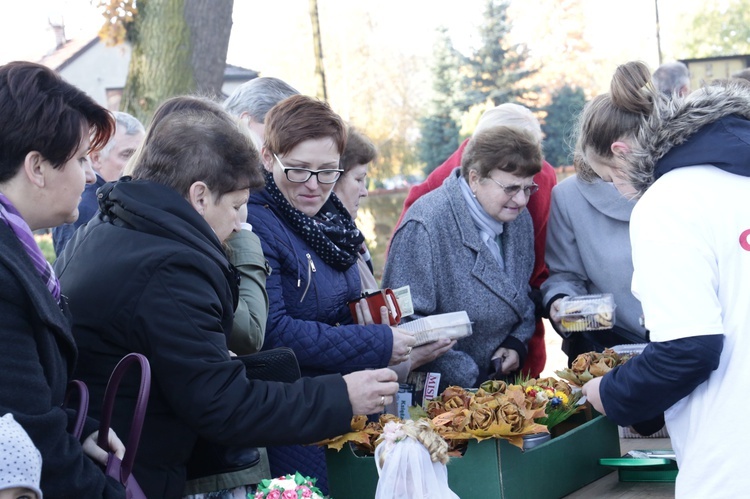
[587,312]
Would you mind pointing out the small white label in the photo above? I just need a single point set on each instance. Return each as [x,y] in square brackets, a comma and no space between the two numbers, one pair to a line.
[430,388]
[403,296]
[404,402]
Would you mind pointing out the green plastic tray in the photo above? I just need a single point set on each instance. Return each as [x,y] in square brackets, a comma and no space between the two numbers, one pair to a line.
[654,469]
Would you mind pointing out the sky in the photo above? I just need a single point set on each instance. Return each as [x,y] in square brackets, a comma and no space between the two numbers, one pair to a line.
[270,36]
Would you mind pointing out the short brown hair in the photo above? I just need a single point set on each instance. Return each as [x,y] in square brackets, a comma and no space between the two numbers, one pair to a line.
[359,150]
[300,118]
[195,145]
[509,149]
[42,112]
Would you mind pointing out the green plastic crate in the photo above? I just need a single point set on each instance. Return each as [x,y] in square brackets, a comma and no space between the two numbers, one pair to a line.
[495,469]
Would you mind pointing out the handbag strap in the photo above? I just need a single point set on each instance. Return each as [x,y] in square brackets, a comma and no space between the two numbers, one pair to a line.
[139,413]
[83,405]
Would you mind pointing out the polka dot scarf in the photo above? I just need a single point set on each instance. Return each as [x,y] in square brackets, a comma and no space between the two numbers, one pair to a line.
[331,233]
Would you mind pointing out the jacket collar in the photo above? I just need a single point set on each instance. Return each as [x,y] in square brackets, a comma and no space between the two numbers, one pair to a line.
[605,198]
[731,133]
[159,210]
[485,268]
[14,257]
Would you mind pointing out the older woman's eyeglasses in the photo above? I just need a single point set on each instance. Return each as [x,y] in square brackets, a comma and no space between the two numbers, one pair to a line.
[512,190]
[302,175]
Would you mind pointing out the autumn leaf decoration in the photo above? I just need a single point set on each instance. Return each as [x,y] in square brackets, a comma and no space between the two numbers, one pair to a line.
[590,365]
[459,415]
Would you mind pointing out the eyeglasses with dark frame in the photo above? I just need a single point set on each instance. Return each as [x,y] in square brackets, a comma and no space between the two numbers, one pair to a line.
[512,190]
[302,175]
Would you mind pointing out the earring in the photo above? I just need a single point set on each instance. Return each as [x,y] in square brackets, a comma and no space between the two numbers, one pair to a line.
[474,193]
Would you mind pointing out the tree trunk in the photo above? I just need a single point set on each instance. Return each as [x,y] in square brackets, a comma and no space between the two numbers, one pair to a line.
[210,24]
[320,74]
[179,47]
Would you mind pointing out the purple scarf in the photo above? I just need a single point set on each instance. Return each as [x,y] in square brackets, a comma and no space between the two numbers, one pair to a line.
[9,214]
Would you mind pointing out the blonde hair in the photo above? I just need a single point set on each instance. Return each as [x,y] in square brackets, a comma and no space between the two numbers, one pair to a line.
[509,114]
[423,432]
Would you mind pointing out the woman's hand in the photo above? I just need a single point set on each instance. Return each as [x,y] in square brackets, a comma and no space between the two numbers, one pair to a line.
[370,391]
[403,343]
[364,317]
[554,317]
[509,360]
[97,453]
[591,392]
[554,311]
[429,352]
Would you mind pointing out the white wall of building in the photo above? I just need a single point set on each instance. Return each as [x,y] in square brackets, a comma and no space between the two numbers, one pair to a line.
[102,68]
[98,69]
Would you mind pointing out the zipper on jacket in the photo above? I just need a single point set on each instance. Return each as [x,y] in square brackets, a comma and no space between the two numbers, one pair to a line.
[310,270]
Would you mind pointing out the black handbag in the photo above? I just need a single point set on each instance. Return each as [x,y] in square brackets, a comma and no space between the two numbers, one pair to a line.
[207,458]
[277,364]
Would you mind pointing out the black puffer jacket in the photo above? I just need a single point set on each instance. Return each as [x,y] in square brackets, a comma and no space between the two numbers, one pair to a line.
[149,275]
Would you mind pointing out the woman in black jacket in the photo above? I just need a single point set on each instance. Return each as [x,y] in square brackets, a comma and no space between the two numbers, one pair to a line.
[149,274]
[47,129]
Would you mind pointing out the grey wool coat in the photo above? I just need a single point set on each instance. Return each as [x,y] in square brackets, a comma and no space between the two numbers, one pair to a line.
[438,252]
[588,249]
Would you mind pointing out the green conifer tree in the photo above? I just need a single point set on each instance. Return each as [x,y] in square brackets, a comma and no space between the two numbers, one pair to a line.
[494,69]
[562,112]
[440,129]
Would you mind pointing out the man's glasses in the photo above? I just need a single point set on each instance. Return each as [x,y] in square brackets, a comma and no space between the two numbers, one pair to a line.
[512,190]
[302,175]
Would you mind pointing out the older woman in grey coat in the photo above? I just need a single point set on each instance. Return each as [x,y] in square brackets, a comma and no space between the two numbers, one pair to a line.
[468,245]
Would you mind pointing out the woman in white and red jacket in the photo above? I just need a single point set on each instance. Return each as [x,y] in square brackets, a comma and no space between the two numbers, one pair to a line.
[686,161]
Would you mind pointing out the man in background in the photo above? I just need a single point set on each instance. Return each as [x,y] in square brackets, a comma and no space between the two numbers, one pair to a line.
[108,165]
[672,78]
[253,99]
[742,75]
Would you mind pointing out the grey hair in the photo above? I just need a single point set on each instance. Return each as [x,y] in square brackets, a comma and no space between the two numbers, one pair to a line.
[742,75]
[670,77]
[126,122]
[257,96]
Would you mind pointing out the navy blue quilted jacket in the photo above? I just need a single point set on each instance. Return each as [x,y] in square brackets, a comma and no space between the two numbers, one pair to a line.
[308,309]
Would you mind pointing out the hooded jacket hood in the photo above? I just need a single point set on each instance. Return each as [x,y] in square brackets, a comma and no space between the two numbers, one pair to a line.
[685,131]
[160,210]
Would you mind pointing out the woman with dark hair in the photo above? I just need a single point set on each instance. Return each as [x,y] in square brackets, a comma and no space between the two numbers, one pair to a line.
[47,129]
[469,245]
[312,247]
[686,162]
[244,250]
[170,293]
